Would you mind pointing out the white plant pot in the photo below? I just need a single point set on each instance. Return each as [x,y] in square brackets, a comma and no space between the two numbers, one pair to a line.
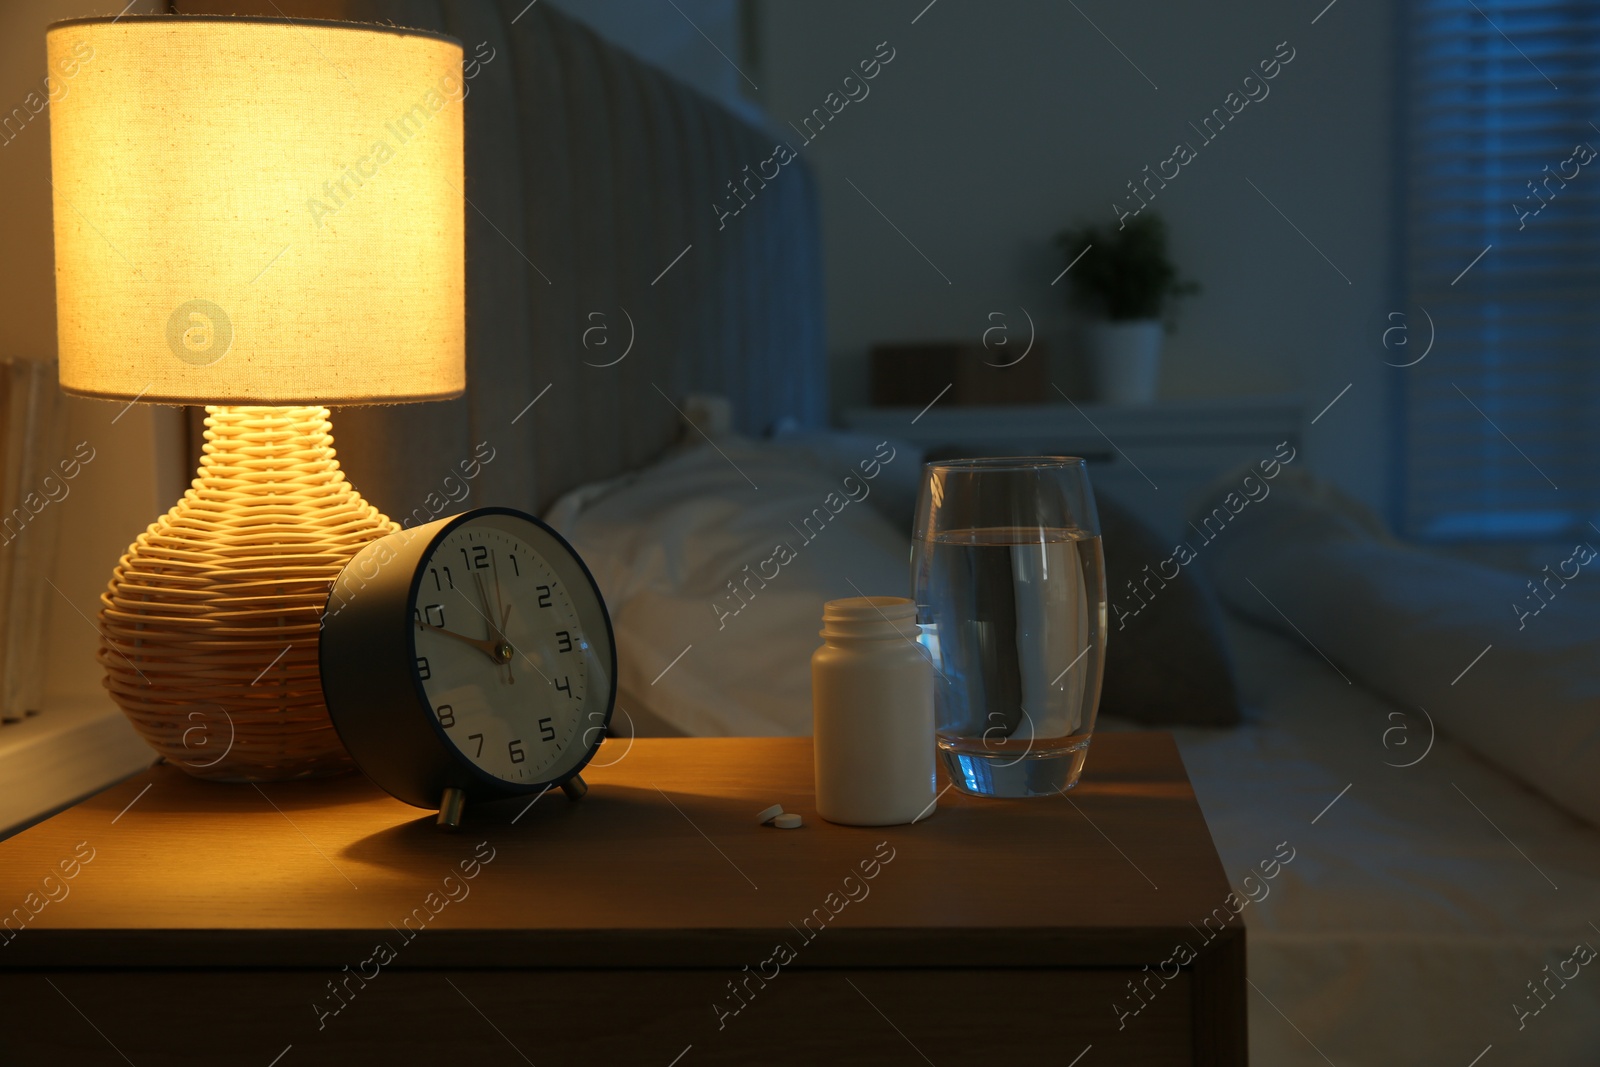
[1125,358]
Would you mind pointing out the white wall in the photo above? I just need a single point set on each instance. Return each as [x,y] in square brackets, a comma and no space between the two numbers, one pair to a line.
[998,123]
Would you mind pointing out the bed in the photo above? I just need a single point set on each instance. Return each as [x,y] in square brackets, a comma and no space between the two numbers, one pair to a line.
[1423,899]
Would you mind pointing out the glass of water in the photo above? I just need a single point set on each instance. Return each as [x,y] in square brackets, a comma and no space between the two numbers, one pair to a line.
[1011,599]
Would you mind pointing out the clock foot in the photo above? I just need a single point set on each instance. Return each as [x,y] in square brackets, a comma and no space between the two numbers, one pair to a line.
[450,806]
[575,787]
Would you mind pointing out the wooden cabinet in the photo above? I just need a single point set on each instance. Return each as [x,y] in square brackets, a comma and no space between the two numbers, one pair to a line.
[1154,459]
[652,922]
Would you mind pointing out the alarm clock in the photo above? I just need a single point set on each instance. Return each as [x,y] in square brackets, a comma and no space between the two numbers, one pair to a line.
[469,659]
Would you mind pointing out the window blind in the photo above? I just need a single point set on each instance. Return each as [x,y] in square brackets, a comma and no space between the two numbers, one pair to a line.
[1501,224]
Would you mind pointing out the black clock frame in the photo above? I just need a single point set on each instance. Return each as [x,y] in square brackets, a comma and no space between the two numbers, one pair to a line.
[381,712]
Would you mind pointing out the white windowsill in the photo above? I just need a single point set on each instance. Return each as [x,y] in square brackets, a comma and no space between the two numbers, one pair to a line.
[75,747]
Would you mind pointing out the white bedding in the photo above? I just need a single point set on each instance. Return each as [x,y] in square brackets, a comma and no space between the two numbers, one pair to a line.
[1407,925]
[1508,663]
[715,564]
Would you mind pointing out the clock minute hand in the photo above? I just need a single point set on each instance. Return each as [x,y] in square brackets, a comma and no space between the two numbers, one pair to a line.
[499,596]
[495,633]
[483,598]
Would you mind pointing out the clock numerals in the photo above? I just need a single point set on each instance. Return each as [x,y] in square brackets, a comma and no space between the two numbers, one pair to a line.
[481,649]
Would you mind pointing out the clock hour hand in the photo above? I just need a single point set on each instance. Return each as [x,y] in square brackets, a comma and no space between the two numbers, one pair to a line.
[498,651]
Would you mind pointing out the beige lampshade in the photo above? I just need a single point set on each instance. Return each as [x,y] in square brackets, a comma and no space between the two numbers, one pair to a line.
[257,211]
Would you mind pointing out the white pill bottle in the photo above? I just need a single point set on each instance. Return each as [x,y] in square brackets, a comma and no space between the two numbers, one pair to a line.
[872,714]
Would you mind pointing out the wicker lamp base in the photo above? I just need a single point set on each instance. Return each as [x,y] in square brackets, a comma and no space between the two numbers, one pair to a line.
[209,627]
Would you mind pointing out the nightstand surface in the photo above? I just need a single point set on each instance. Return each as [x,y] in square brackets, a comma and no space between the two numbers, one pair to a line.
[662,865]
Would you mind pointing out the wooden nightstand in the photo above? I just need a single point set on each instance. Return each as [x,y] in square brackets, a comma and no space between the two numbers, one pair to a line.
[325,923]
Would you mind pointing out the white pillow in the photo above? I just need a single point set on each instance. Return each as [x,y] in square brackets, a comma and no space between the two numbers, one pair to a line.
[837,452]
[715,564]
[1464,642]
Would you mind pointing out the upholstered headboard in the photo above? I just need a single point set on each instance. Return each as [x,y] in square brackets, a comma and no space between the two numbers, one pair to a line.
[591,179]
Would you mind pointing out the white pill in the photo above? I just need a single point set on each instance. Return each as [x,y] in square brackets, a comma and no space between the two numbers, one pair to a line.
[768,814]
[791,821]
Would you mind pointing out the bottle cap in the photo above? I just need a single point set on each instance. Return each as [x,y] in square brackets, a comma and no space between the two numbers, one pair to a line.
[870,616]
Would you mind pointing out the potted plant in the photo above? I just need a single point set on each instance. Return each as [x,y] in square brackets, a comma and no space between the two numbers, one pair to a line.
[1128,284]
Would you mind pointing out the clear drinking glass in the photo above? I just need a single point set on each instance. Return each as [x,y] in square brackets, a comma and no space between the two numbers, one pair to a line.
[1011,598]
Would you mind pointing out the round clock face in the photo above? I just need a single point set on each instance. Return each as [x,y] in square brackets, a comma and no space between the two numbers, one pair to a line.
[469,657]
[512,649]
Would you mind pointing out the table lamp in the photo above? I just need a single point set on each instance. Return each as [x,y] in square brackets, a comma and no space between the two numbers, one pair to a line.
[264,216]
